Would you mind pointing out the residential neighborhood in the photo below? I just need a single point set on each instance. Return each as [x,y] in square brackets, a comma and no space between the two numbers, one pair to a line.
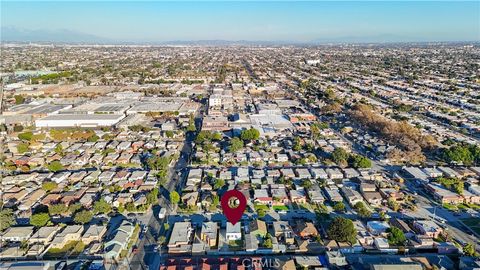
[349,157]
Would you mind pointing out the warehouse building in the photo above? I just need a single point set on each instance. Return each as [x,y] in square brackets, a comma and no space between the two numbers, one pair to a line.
[79,120]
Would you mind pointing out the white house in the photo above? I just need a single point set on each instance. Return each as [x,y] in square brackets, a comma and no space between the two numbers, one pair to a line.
[233,231]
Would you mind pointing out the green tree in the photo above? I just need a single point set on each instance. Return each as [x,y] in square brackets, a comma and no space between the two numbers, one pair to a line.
[152,196]
[297,144]
[55,166]
[219,183]
[83,217]
[57,209]
[469,250]
[93,138]
[250,134]
[7,219]
[25,136]
[393,204]
[130,207]
[39,220]
[73,208]
[235,145]
[217,136]
[342,230]
[101,206]
[307,184]
[359,161]
[267,242]
[339,207]
[362,210]
[49,186]
[17,128]
[191,124]
[169,134]
[174,197]
[19,99]
[340,155]
[58,149]
[396,237]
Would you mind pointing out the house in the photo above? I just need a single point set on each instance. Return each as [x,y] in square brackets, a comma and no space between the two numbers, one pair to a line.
[190,198]
[444,195]
[334,173]
[44,235]
[233,232]
[280,196]
[303,173]
[319,173]
[194,177]
[287,173]
[373,198]
[377,227]
[180,238]
[305,229]
[427,228]
[261,196]
[69,233]
[298,196]
[350,173]
[119,240]
[258,227]
[17,234]
[28,202]
[283,231]
[353,197]
[381,243]
[333,195]
[209,233]
[315,195]
[94,233]
[336,258]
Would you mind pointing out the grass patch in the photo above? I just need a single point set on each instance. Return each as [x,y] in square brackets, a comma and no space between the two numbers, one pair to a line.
[261,207]
[71,248]
[450,207]
[280,208]
[235,244]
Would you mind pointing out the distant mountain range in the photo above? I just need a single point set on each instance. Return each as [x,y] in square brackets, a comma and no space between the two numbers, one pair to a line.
[14,34]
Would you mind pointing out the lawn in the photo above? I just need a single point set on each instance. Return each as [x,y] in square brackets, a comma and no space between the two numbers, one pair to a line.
[71,248]
[472,223]
[280,208]
[450,207]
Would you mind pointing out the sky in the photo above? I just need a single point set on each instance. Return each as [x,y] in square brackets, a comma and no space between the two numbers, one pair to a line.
[255,21]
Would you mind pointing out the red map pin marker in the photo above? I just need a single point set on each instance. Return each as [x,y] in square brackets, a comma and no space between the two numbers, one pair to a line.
[233,214]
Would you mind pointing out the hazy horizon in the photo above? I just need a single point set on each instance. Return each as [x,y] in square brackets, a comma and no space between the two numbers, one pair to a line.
[291,22]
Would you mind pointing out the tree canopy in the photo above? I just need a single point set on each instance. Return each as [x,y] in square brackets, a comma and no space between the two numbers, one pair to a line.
[342,230]
[396,237]
[101,206]
[7,219]
[83,217]
[174,197]
[40,219]
[250,134]
[235,145]
[55,166]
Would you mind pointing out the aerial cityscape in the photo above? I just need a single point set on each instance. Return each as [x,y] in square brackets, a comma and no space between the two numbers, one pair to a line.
[239,153]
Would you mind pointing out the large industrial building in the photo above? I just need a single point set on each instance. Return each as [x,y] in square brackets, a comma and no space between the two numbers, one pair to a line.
[78,120]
